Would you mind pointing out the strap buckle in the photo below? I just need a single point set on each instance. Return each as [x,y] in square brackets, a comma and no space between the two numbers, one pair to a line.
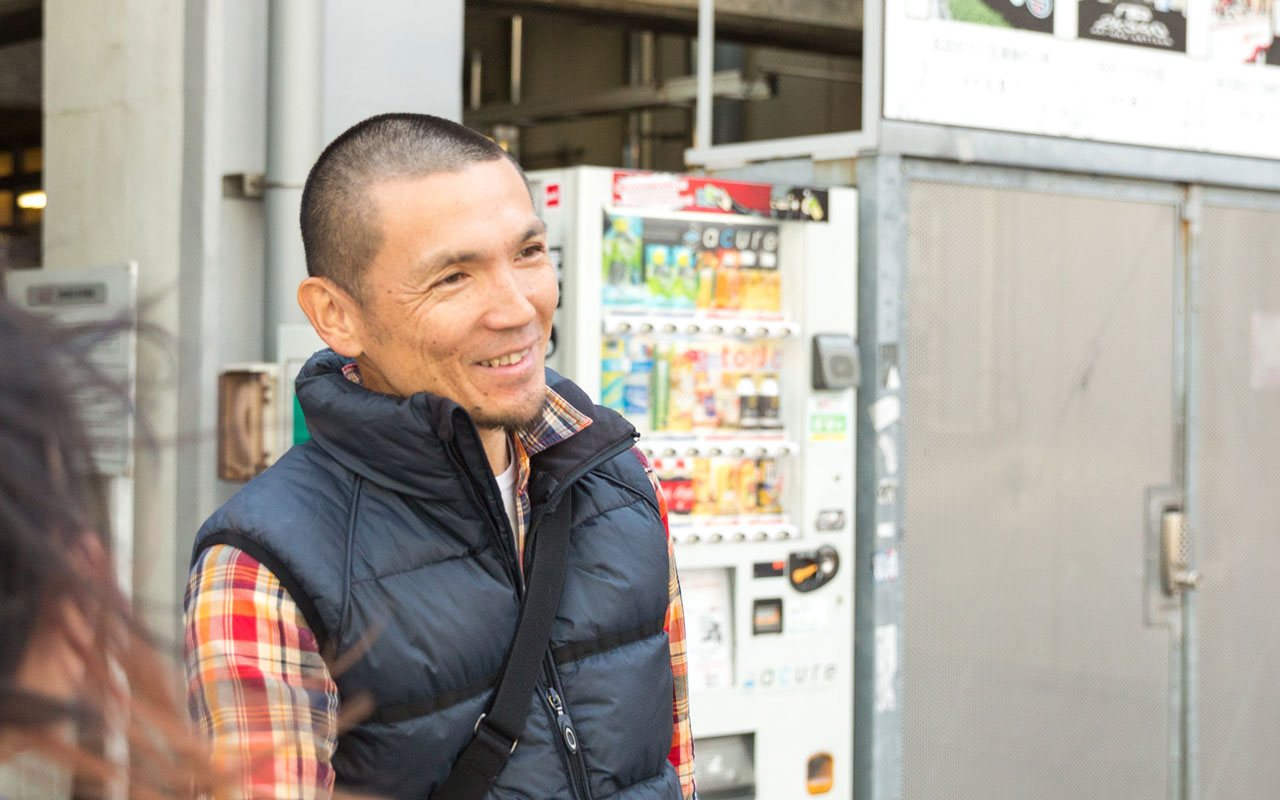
[490,730]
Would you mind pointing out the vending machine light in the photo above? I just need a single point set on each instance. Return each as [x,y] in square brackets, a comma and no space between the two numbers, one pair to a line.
[689,306]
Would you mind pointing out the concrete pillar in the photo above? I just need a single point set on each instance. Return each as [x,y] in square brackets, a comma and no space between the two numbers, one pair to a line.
[113,99]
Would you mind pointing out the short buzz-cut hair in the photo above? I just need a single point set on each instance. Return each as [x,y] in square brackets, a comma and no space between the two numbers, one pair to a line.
[340,230]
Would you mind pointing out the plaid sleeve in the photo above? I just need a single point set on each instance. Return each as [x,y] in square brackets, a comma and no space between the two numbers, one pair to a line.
[256,683]
[681,755]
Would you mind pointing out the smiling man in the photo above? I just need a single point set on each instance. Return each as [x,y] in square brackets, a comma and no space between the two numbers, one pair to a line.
[378,569]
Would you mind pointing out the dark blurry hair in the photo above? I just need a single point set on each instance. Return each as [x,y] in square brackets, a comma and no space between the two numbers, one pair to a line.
[340,229]
[57,580]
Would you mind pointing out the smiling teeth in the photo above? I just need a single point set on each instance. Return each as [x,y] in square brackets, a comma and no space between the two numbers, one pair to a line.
[509,358]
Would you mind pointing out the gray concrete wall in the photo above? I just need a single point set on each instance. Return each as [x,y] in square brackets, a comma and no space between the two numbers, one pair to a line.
[148,105]
[113,100]
[395,55]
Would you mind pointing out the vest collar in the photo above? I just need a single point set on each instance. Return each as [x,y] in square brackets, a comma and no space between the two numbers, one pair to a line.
[416,445]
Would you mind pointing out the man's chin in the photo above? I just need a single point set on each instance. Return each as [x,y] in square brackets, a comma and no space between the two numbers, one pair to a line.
[518,416]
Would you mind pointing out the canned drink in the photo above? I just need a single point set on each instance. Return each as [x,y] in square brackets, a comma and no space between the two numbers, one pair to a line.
[726,485]
[768,486]
[703,491]
[613,373]
[748,486]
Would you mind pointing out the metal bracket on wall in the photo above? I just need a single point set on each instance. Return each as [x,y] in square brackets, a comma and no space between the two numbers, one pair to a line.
[725,85]
[244,185]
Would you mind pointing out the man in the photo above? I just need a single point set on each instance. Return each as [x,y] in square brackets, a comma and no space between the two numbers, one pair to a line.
[382,561]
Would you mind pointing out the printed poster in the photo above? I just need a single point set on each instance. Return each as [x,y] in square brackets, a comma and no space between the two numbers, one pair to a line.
[708,615]
[1194,75]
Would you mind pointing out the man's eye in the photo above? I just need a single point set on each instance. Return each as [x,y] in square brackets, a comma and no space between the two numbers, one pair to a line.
[532,250]
[450,279]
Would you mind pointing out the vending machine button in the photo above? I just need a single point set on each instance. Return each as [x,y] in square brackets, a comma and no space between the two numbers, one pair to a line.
[739,537]
[692,538]
[766,616]
[813,569]
[831,519]
[716,538]
[762,536]
[717,329]
[784,331]
[769,569]
[695,328]
[624,326]
[784,534]
[821,773]
[714,451]
[739,330]
[802,574]
[762,332]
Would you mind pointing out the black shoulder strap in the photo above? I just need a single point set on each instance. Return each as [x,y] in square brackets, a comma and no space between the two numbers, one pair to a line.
[498,728]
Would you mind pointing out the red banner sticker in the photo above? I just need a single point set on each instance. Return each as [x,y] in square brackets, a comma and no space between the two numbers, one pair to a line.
[671,192]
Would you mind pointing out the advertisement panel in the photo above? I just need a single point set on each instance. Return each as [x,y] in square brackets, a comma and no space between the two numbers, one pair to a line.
[1197,75]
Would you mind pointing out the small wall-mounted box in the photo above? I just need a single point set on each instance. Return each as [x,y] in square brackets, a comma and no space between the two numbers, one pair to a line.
[248,425]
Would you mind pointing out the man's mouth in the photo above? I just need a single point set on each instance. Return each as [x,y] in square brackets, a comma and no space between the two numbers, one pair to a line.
[508,359]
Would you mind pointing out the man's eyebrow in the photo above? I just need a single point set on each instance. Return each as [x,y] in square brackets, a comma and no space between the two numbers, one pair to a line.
[438,262]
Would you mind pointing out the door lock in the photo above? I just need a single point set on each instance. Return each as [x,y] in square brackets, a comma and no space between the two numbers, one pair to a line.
[1176,576]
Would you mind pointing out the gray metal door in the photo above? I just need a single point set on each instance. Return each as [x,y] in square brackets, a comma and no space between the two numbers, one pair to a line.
[1041,402]
[1235,501]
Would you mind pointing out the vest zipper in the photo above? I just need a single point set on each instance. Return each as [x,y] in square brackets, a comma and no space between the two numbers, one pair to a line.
[569,746]
[508,547]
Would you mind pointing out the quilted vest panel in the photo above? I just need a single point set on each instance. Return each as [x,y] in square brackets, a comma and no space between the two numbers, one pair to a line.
[415,574]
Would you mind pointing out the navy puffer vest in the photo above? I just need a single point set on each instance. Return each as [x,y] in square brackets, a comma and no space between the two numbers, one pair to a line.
[387,528]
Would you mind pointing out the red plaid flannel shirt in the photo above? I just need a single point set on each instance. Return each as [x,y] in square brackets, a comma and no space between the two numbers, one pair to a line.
[259,688]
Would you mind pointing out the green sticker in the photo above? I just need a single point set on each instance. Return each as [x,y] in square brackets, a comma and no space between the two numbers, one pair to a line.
[300,432]
[828,426]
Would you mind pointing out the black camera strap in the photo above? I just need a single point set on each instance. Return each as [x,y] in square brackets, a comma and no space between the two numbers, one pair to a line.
[498,729]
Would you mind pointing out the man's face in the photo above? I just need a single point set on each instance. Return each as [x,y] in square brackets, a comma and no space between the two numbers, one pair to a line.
[459,300]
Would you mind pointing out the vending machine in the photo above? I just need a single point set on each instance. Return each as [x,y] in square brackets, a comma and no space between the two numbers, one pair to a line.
[719,318]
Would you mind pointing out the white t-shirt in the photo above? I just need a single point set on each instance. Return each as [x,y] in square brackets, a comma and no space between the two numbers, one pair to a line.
[507,485]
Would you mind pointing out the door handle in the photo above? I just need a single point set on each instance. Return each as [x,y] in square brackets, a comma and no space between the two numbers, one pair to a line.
[1176,575]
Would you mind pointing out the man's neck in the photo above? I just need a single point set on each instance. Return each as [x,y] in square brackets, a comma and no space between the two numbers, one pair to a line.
[494,441]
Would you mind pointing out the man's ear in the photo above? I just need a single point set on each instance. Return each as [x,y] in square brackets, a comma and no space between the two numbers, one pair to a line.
[334,314]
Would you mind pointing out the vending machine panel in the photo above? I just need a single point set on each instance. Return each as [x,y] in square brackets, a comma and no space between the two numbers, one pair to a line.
[718,317]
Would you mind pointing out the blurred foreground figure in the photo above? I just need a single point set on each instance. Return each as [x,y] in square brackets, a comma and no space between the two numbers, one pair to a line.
[393,557]
[75,666]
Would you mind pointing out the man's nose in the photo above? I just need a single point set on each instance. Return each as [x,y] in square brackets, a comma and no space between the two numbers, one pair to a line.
[509,303]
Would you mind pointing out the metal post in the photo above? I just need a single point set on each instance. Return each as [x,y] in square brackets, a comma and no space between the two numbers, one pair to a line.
[706,68]
[878,615]
[1189,730]
[294,136]
[517,58]
[473,84]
